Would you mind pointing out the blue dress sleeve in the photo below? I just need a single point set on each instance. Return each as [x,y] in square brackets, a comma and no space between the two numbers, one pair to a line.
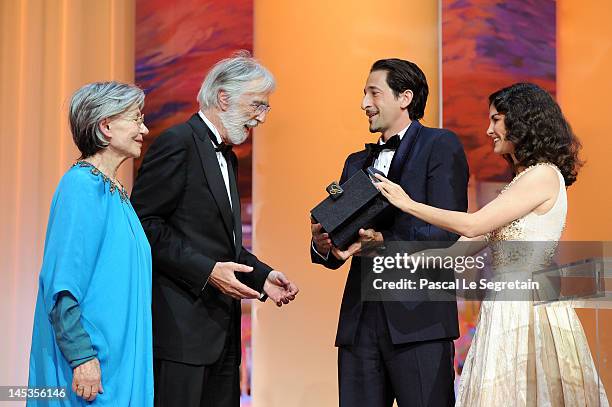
[70,335]
[75,234]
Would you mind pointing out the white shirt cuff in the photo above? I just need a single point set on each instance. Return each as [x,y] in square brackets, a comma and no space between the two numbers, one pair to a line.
[320,255]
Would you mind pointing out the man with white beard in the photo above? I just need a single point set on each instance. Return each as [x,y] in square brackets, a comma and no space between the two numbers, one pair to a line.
[186,197]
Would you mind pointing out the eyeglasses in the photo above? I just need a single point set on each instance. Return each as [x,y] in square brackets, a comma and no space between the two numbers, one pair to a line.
[138,119]
[260,108]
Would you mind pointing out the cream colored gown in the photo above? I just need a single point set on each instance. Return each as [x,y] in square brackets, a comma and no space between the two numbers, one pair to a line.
[526,355]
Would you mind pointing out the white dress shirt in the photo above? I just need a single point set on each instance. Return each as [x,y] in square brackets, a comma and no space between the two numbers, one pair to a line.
[383,161]
[220,157]
[224,172]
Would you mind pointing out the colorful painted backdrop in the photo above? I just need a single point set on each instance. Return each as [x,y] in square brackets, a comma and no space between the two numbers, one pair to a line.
[487,45]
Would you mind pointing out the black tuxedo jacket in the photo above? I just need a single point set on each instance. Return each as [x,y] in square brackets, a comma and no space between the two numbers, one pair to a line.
[181,200]
[430,165]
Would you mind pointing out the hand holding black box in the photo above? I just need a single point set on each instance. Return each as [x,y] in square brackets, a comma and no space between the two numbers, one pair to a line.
[354,205]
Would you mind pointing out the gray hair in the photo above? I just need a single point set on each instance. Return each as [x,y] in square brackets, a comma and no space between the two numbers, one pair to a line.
[231,75]
[95,102]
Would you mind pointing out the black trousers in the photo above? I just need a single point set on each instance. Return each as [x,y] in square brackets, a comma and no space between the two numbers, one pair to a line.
[185,385]
[373,372]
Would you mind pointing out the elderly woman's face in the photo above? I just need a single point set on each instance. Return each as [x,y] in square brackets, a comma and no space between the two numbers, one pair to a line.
[126,132]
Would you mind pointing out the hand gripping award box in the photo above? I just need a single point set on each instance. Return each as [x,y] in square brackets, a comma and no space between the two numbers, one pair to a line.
[355,204]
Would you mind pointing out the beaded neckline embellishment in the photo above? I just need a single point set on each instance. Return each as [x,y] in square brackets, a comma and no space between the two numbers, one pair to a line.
[514,229]
[113,186]
[526,170]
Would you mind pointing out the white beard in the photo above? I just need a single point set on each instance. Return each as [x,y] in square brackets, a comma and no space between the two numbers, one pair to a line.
[234,121]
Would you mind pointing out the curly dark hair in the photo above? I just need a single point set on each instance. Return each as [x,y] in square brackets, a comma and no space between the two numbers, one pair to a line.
[537,128]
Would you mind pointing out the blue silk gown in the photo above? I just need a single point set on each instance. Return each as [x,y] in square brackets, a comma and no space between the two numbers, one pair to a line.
[96,248]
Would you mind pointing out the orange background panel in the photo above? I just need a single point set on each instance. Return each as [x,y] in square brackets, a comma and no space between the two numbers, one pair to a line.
[584,57]
[48,50]
[321,55]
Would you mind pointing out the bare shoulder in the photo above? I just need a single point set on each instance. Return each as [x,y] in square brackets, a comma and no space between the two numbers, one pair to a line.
[541,178]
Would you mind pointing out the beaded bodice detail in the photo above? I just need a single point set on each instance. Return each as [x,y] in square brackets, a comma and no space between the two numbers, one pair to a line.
[112,185]
[546,228]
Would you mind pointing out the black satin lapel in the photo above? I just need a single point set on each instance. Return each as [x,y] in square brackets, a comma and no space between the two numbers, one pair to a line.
[368,160]
[236,210]
[212,172]
[402,154]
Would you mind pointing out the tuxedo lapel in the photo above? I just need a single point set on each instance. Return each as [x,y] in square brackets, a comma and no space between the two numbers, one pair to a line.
[402,154]
[232,163]
[212,172]
[365,160]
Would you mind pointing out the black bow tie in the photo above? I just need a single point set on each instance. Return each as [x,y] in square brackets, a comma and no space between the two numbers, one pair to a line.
[391,144]
[223,148]
[220,148]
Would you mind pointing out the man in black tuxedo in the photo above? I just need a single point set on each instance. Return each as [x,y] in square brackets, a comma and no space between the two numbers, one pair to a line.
[187,199]
[398,350]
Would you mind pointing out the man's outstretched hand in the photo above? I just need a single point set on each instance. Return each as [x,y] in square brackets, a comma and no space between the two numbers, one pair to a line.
[224,278]
[279,288]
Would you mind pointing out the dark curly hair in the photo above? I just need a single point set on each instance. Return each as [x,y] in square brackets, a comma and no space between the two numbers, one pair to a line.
[536,126]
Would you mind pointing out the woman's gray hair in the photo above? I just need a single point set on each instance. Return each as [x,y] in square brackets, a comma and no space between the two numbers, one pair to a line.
[95,102]
[231,75]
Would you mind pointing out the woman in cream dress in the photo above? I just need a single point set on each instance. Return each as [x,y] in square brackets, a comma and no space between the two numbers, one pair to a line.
[521,354]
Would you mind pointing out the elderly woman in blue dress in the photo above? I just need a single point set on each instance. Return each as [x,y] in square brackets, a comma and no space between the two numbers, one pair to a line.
[92,325]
